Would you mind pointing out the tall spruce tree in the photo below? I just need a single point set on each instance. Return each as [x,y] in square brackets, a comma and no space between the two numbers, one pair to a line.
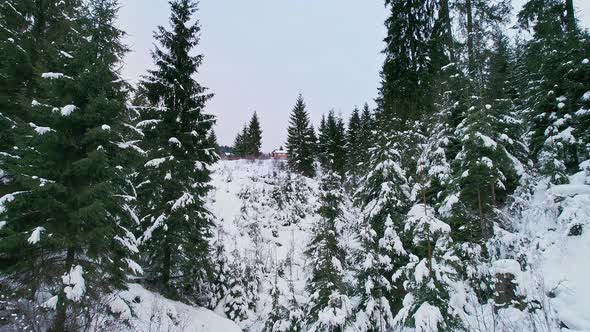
[483,175]
[413,50]
[412,53]
[354,146]
[66,231]
[408,69]
[332,143]
[254,140]
[300,140]
[16,70]
[176,222]
[366,133]
[320,146]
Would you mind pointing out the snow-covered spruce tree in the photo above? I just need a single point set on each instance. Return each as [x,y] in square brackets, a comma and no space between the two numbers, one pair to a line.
[222,272]
[433,267]
[434,164]
[300,140]
[237,302]
[66,230]
[286,314]
[501,92]
[328,307]
[441,146]
[243,285]
[492,157]
[484,174]
[480,21]
[430,273]
[332,143]
[485,148]
[384,197]
[556,76]
[405,95]
[277,312]
[294,197]
[175,180]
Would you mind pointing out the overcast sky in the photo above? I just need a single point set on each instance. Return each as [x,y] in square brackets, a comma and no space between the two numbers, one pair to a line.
[260,54]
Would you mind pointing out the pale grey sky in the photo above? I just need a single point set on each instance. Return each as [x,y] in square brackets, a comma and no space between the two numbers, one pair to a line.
[260,54]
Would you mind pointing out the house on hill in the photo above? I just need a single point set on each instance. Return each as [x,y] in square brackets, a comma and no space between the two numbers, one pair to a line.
[279,154]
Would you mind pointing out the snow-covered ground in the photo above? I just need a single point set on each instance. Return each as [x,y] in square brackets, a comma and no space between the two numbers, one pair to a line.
[556,226]
[147,311]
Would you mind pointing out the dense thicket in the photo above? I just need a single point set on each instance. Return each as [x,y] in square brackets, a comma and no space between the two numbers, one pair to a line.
[301,144]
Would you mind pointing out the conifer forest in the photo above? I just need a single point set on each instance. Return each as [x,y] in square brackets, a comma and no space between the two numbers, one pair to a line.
[457,199]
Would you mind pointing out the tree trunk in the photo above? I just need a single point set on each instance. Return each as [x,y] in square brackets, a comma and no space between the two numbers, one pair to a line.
[59,322]
[429,244]
[448,28]
[470,46]
[166,265]
[482,224]
[571,18]
[493,192]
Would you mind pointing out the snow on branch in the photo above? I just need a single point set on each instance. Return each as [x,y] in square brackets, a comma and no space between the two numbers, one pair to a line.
[156,162]
[40,130]
[185,200]
[35,235]
[75,284]
[55,76]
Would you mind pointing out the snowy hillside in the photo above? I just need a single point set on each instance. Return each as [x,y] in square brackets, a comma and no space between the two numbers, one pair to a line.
[260,226]
[545,249]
